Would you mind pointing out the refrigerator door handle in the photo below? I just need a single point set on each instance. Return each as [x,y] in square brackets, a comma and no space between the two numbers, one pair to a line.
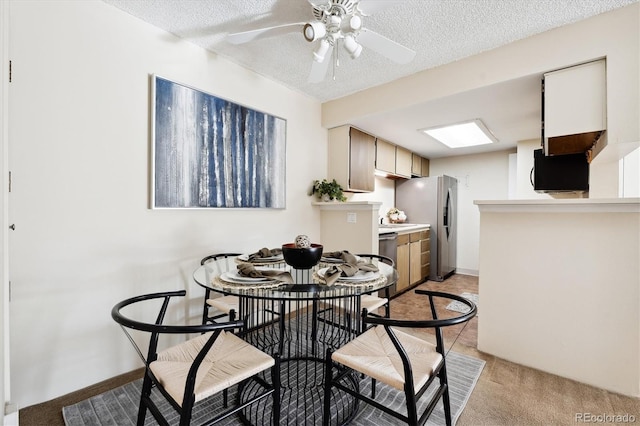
[447,213]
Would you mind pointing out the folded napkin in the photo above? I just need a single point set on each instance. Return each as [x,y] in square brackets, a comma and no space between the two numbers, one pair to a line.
[349,268]
[247,270]
[344,255]
[264,252]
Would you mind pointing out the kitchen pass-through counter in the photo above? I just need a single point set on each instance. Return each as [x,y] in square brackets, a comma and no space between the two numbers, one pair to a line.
[559,284]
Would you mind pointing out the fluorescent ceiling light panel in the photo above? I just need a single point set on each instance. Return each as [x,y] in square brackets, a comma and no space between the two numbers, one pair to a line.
[460,135]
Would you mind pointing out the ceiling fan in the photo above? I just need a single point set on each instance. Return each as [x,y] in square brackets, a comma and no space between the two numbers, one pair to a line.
[336,22]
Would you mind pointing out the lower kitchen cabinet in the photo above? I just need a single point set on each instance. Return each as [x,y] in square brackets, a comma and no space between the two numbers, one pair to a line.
[413,259]
[402,263]
[415,262]
[425,254]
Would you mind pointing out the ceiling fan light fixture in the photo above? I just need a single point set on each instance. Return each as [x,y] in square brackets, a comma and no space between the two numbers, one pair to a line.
[314,30]
[321,51]
[355,23]
[352,46]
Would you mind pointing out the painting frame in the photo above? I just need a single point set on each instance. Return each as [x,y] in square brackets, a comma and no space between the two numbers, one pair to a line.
[209,152]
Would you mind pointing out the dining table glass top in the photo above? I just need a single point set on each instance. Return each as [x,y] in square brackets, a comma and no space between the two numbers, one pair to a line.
[289,283]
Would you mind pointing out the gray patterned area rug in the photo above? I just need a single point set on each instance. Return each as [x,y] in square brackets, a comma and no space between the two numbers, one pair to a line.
[119,407]
[461,307]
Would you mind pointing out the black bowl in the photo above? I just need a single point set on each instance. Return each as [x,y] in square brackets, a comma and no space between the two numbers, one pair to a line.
[302,257]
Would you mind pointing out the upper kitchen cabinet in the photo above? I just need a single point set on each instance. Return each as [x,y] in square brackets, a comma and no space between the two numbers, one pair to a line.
[425,167]
[393,160]
[574,108]
[385,156]
[352,156]
[403,162]
[419,166]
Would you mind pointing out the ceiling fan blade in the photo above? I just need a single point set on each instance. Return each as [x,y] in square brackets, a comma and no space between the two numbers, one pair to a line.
[388,48]
[247,36]
[319,69]
[370,7]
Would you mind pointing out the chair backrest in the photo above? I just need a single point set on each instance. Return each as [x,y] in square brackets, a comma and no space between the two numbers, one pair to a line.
[220,262]
[377,257]
[157,327]
[435,322]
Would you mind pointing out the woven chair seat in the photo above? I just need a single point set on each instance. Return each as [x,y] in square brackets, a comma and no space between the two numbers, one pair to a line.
[371,302]
[229,361]
[228,303]
[373,354]
[225,303]
[367,301]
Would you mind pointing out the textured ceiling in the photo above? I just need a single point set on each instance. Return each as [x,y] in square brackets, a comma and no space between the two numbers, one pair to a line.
[440,31]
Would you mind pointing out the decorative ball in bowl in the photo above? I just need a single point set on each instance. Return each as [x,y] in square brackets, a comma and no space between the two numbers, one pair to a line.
[302,257]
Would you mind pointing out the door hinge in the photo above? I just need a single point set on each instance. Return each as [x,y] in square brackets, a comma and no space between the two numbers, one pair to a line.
[9,291]
[9,181]
[9,71]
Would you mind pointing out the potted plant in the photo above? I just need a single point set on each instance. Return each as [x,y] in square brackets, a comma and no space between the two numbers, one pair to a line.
[327,191]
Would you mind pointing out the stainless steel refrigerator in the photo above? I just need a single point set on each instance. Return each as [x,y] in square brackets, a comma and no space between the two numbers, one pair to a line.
[433,200]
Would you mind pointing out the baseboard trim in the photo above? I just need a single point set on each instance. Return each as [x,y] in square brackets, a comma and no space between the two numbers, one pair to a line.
[472,272]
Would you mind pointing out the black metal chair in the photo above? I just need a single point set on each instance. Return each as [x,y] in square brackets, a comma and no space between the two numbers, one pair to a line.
[198,368]
[228,306]
[398,359]
[369,303]
[224,306]
[372,302]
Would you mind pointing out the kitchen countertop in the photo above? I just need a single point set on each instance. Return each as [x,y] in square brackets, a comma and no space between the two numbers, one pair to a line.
[402,228]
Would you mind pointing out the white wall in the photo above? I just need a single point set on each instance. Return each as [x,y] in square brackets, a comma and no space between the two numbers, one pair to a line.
[631,174]
[79,155]
[385,190]
[484,176]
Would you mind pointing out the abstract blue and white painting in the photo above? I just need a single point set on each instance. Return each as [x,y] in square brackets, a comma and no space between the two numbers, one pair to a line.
[210,152]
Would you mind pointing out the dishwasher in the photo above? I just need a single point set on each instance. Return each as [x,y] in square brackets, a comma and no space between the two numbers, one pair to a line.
[388,246]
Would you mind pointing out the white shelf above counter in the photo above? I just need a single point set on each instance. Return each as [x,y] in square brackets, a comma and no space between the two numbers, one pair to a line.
[348,205]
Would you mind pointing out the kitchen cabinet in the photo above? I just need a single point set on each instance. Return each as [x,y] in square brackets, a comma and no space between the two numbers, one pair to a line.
[352,155]
[419,256]
[425,253]
[385,156]
[574,108]
[413,259]
[393,160]
[425,167]
[419,166]
[403,162]
[402,263]
[416,165]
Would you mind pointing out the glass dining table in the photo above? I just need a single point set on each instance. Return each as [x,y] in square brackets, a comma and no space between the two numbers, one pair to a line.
[298,321]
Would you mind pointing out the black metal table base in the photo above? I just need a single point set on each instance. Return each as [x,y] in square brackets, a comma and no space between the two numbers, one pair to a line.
[301,397]
[301,337]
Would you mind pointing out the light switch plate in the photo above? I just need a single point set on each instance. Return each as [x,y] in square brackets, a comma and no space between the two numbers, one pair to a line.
[351,217]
